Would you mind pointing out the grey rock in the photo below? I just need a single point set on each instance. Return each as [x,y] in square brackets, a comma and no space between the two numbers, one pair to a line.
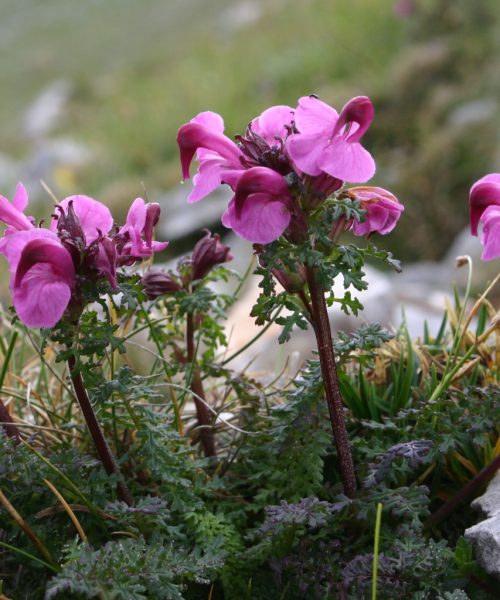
[473,113]
[240,15]
[485,537]
[45,112]
[180,219]
[489,502]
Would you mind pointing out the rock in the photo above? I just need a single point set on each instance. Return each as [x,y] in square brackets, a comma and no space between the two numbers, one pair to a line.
[44,114]
[486,539]
[489,502]
[240,15]
[486,535]
[472,113]
[180,219]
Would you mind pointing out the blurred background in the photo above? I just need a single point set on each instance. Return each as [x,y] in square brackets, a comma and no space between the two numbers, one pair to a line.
[93,92]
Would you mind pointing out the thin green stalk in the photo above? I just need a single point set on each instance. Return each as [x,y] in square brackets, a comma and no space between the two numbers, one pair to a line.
[254,339]
[175,403]
[376,543]
[7,357]
[30,556]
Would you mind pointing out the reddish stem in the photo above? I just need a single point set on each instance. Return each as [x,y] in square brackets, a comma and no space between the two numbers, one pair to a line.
[202,413]
[100,443]
[474,484]
[333,395]
[8,424]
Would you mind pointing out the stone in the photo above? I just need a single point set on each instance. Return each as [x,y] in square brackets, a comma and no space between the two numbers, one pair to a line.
[44,114]
[489,502]
[485,536]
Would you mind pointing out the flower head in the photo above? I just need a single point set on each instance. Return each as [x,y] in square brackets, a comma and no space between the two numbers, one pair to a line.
[382,208]
[48,267]
[329,143]
[483,193]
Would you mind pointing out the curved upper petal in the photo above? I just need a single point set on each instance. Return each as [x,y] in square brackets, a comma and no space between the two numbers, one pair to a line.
[356,116]
[260,180]
[193,136]
[211,120]
[314,116]
[12,244]
[485,192]
[94,216]
[12,213]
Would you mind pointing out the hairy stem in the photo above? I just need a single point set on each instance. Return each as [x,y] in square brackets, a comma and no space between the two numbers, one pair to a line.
[323,334]
[100,443]
[8,424]
[202,413]
[471,488]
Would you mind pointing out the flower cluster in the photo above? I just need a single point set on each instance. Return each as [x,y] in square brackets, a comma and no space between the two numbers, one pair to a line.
[485,210]
[287,162]
[50,266]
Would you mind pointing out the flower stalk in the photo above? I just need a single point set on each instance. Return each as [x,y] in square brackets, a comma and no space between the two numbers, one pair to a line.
[333,395]
[196,385]
[100,443]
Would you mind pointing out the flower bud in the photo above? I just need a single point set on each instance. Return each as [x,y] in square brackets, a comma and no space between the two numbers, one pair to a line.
[382,208]
[158,283]
[208,252]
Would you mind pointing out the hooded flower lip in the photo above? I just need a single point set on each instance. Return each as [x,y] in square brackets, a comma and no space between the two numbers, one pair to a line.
[12,213]
[329,143]
[490,236]
[483,193]
[137,234]
[260,210]
[382,208]
[216,153]
[42,276]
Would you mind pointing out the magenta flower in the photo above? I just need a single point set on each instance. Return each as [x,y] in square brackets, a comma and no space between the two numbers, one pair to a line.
[12,214]
[82,246]
[382,208]
[136,236]
[483,193]
[42,275]
[260,210]
[329,143]
[218,156]
[490,235]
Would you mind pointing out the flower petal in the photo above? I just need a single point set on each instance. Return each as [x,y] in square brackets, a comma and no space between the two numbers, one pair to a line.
[92,214]
[262,219]
[483,193]
[273,123]
[305,151]
[314,116]
[490,236]
[357,114]
[347,160]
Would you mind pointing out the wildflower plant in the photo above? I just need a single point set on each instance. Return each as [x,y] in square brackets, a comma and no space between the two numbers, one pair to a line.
[56,272]
[288,174]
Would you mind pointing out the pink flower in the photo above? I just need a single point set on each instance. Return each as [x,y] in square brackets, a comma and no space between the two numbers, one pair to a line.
[261,208]
[382,208]
[94,217]
[82,246]
[328,142]
[490,236]
[12,214]
[137,234]
[483,193]
[42,275]
[218,156]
